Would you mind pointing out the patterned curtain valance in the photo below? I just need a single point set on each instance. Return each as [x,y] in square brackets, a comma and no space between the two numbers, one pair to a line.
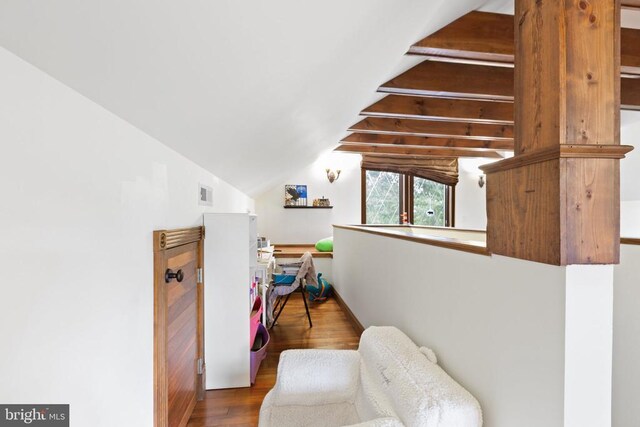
[442,170]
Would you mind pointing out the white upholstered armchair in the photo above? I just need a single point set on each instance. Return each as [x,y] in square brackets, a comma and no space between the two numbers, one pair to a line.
[388,382]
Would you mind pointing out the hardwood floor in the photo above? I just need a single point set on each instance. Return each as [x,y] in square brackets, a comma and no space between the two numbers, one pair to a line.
[240,407]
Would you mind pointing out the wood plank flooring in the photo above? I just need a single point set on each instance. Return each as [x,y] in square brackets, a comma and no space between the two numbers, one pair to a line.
[240,407]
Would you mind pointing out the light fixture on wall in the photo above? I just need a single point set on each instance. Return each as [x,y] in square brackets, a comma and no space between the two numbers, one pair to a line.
[333,176]
[481,181]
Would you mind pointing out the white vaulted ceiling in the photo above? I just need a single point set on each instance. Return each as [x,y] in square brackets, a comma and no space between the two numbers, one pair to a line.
[250,90]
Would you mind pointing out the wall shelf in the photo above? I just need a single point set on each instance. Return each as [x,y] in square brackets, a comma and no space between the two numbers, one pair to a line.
[308,207]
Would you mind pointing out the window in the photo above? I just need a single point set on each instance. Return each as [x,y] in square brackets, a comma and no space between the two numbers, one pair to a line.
[394,198]
[382,198]
[429,202]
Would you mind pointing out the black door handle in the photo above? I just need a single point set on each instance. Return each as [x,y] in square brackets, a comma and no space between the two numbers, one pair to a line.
[169,275]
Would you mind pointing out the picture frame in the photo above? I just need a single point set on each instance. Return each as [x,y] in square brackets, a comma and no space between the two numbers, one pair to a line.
[295,195]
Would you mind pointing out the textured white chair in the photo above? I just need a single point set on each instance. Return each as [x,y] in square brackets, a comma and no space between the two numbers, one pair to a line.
[388,382]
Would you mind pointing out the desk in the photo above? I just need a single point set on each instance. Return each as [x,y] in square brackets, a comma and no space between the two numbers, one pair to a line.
[296,251]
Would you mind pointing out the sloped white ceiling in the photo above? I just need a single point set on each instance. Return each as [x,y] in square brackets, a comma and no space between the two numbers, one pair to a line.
[250,90]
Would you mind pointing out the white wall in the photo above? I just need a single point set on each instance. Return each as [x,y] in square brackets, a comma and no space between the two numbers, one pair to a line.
[310,225]
[630,176]
[588,345]
[497,325]
[471,205]
[82,191]
[532,342]
[307,226]
[630,218]
[626,338]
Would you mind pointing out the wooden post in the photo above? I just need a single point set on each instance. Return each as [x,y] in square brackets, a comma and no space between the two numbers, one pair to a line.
[557,200]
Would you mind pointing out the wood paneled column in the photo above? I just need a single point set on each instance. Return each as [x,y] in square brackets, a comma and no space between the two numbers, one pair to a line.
[557,200]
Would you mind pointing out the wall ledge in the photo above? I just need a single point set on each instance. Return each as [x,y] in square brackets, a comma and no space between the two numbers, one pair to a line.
[444,242]
[629,241]
[478,248]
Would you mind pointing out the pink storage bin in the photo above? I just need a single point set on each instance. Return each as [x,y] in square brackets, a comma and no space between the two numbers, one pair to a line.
[254,321]
[258,356]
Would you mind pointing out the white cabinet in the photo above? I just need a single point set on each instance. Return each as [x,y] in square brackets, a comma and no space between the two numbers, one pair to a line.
[230,260]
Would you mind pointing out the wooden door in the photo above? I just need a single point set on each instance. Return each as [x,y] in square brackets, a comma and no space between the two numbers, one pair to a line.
[179,368]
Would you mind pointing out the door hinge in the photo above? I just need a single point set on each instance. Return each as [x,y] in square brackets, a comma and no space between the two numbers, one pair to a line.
[200,274]
[200,366]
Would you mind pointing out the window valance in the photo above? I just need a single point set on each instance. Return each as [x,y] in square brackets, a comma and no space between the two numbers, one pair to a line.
[442,170]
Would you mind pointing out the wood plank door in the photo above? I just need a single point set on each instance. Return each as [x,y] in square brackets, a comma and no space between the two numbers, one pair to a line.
[179,369]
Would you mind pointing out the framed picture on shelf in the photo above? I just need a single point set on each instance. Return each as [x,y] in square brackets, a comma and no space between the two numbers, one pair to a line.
[295,195]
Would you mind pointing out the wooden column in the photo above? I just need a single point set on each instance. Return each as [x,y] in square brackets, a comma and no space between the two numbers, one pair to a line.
[557,200]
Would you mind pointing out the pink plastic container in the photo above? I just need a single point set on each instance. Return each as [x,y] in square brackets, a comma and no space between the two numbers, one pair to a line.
[258,356]
[254,321]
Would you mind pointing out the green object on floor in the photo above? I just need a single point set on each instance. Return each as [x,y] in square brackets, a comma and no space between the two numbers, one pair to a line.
[325,245]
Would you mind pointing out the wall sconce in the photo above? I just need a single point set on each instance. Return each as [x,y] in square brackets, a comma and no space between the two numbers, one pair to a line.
[332,176]
[481,181]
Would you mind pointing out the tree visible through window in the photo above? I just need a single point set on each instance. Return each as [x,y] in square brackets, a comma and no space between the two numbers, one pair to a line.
[382,197]
[392,198]
[429,202]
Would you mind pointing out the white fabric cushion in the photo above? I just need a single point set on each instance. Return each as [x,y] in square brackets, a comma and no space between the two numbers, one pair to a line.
[388,382]
[308,377]
[371,402]
[429,354]
[421,393]
[380,422]
[331,415]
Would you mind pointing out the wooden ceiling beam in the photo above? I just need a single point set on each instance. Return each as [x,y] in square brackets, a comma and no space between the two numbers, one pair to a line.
[434,128]
[488,38]
[450,80]
[454,110]
[631,4]
[630,94]
[630,51]
[415,151]
[479,82]
[476,36]
[425,141]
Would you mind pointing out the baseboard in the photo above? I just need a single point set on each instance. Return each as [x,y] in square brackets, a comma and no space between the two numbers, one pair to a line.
[355,323]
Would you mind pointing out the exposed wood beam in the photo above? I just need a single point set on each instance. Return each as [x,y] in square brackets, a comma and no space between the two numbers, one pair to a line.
[480,82]
[630,50]
[631,4]
[425,141]
[478,36]
[434,128]
[449,80]
[630,94]
[489,38]
[415,151]
[454,110]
